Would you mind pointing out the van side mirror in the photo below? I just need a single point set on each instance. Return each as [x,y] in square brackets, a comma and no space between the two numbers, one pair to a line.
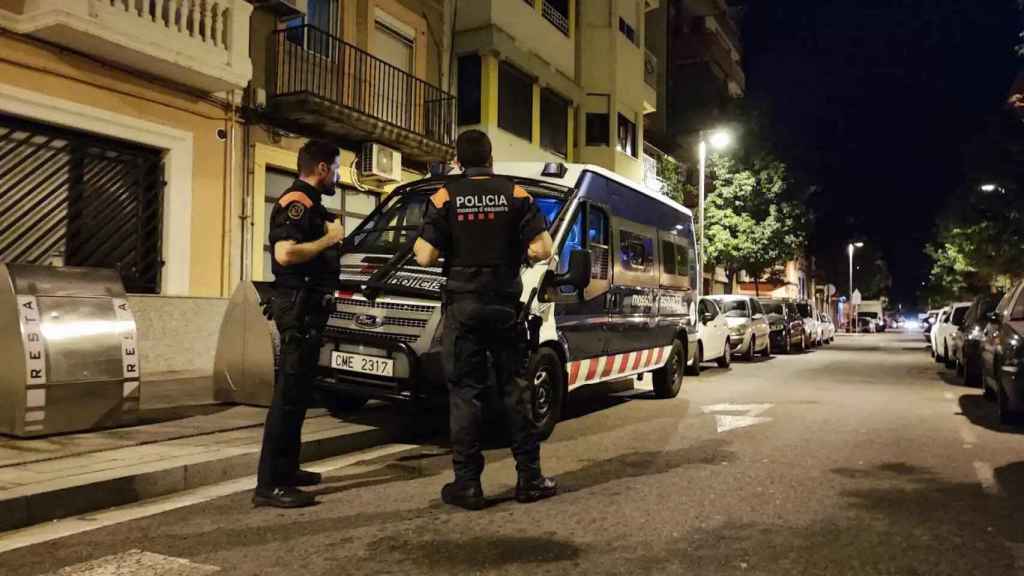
[578,273]
[576,276]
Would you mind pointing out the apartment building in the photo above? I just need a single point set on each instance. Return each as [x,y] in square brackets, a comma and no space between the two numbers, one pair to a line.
[114,124]
[555,80]
[370,75]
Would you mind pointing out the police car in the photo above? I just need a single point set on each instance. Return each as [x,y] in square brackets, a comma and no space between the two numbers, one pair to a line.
[616,301]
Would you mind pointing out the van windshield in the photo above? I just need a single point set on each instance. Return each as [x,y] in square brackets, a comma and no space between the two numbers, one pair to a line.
[397,222]
[772,308]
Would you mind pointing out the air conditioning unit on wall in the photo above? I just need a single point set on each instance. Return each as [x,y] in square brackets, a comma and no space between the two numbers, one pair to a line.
[380,163]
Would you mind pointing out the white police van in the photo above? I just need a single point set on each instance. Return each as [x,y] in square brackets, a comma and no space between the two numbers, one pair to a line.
[617,300]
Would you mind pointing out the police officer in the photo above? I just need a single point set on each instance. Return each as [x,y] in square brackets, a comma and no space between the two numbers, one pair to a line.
[305,240]
[486,227]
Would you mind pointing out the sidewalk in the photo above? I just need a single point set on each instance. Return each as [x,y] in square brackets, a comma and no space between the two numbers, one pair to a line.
[183,441]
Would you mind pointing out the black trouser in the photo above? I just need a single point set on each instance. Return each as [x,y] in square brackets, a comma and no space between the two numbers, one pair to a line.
[477,333]
[300,316]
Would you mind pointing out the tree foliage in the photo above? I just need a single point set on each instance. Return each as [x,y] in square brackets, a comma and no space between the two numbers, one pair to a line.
[752,222]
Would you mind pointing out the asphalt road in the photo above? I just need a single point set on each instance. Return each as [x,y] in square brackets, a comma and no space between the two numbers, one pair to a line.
[859,458]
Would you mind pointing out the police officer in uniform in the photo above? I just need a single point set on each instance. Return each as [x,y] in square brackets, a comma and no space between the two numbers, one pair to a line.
[486,227]
[305,241]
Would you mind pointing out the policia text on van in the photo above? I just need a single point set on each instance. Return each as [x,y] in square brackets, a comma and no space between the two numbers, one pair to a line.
[617,300]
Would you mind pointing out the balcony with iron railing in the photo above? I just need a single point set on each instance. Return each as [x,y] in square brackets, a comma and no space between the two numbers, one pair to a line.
[706,44]
[320,84]
[558,16]
[203,44]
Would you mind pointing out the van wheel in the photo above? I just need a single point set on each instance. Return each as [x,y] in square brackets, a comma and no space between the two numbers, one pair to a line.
[694,369]
[547,378]
[726,360]
[668,380]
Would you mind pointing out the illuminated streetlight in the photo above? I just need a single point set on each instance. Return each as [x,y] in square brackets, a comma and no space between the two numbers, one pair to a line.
[851,248]
[719,139]
[988,187]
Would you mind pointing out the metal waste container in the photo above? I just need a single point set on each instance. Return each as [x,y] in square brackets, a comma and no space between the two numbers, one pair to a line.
[69,351]
[247,348]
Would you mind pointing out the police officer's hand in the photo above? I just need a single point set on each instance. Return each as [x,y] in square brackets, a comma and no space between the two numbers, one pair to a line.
[333,232]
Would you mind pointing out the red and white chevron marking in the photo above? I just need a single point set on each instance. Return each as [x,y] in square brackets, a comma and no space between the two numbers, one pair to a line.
[616,366]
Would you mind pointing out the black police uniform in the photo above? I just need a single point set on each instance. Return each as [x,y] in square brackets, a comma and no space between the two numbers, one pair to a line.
[483,225]
[300,308]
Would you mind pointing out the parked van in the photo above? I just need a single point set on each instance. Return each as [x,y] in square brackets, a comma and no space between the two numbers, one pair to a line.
[618,299]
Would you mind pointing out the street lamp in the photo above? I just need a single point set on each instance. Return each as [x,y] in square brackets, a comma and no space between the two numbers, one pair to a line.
[988,187]
[853,246]
[719,139]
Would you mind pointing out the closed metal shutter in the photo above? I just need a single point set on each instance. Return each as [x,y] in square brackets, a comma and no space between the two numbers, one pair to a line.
[76,199]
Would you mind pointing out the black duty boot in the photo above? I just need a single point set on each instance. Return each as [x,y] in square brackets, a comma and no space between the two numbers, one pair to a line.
[305,478]
[533,488]
[466,494]
[283,497]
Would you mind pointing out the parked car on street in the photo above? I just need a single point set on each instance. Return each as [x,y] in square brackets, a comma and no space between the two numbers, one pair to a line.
[713,341]
[866,325]
[1002,354]
[971,335]
[787,327]
[942,337]
[939,320]
[928,322]
[827,328]
[748,325]
[873,309]
[810,321]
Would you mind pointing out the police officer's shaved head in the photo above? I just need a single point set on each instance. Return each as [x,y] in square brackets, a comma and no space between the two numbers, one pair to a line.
[473,149]
[313,153]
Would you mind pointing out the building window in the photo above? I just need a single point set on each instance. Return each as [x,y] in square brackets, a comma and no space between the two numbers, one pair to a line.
[627,136]
[325,17]
[515,101]
[597,129]
[470,78]
[554,123]
[557,12]
[627,30]
[350,205]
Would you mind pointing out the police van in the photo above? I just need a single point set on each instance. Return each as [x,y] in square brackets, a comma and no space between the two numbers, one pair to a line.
[617,300]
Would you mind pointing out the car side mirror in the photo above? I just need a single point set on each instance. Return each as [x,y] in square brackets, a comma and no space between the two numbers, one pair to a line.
[706,317]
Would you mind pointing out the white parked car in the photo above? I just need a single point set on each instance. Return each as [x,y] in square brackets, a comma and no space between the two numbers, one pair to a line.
[939,321]
[943,334]
[826,328]
[748,325]
[807,312]
[712,336]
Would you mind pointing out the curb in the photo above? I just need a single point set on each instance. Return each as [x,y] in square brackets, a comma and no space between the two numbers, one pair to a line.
[173,475]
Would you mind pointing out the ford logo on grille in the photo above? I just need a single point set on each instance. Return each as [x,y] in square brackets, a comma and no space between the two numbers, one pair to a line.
[369,321]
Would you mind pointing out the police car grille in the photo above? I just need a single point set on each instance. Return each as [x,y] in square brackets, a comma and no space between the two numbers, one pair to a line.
[388,321]
[336,332]
[378,305]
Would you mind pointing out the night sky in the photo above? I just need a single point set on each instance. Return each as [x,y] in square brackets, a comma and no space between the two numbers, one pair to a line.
[873,101]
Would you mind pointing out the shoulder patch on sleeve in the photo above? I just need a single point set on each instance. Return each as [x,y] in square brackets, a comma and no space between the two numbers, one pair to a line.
[296,210]
[520,192]
[295,196]
[440,198]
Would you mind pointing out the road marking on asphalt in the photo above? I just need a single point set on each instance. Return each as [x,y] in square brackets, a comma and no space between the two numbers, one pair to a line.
[726,422]
[987,478]
[137,563]
[93,520]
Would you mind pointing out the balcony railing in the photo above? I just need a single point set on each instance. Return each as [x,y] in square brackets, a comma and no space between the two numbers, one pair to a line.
[555,16]
[200,43]
[346,90]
